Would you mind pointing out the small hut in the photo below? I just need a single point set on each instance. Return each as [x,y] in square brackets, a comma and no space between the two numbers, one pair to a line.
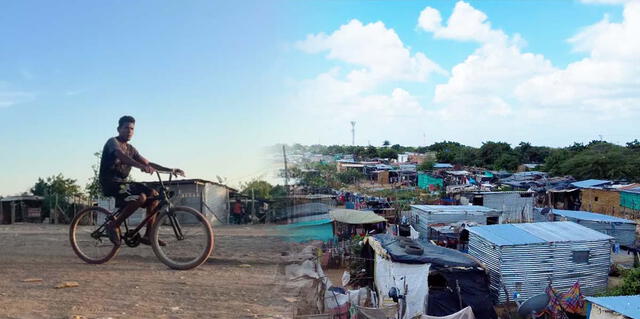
[438,281]
[525,258]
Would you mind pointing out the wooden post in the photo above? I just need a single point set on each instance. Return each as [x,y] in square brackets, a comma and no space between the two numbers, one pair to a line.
[228,206]
[13,213]
[253,206]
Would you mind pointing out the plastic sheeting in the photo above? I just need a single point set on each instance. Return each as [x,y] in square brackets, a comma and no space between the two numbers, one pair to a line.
[390,274]
[439,256]
[465,313]
[356,217]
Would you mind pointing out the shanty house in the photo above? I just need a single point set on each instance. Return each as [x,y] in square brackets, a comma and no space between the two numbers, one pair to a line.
[515,206]
[630,203]
[424,216]
[600,200]
[525,258]
[437,281]
[210,198]
[623,230]
[20,209]
[618,307]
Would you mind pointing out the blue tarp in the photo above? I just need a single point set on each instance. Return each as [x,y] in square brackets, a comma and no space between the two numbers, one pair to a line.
[591,183]
[310,230]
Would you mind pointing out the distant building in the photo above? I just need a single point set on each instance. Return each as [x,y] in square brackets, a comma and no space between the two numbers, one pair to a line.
[21,209]
[442,166]
[210,198]
[515,206]
[422,217]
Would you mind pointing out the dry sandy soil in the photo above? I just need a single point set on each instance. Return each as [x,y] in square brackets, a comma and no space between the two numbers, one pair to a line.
[135,284]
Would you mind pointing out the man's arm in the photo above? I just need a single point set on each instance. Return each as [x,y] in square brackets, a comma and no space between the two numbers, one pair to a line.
[159,167]
[123,157]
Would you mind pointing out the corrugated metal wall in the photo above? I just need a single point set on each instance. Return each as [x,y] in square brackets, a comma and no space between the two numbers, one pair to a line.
[625,234]
[512,205]
[420,220]
[527,268]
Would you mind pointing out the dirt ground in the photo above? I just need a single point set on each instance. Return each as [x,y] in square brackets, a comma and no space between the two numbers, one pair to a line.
[135,284]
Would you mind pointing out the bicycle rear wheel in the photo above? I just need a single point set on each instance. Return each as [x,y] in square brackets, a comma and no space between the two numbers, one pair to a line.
[89,238]
[188,237]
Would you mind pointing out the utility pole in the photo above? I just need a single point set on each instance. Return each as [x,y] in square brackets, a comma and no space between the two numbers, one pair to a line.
[353,133]
[286,181]
[286,170]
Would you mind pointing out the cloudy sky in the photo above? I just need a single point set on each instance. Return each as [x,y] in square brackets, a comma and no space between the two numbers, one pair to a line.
[212,83]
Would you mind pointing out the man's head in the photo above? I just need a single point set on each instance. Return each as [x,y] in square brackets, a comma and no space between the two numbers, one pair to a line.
[126,125]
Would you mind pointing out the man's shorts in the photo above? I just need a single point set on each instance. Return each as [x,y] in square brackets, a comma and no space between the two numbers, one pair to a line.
[126,192]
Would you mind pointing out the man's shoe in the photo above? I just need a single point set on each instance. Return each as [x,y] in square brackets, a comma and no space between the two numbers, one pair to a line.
[145,240]
[113,232]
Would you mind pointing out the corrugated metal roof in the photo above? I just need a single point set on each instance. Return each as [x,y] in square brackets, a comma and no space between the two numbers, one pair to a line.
[533,233]
[624,305]
[583,215]
[632,190]
[454,208]
[505,235]
[590,183]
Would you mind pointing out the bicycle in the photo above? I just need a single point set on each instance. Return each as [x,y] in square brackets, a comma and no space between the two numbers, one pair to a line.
[187,233]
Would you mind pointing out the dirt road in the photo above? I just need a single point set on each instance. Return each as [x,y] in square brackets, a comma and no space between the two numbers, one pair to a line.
[238,281]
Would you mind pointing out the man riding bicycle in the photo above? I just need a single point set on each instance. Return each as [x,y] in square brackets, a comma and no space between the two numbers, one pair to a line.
[118,156]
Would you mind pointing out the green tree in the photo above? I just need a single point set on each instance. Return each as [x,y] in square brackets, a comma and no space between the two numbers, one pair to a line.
[425,166]
[94,189]
[553,162]
[386,143]
[350,176]
[58,189]
[491,151]
[634,145]
[388,153]
[507,161]
[371,152]
[259,188]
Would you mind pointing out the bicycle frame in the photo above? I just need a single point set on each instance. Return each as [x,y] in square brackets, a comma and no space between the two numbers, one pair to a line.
[163,196]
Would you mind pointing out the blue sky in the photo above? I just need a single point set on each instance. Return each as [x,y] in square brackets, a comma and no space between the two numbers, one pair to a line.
[211,83]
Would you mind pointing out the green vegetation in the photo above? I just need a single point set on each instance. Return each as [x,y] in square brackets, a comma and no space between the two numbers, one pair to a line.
[597,159]
[630,284]
[56,190]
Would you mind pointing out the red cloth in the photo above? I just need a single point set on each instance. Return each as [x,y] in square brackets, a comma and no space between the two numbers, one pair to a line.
[237,208]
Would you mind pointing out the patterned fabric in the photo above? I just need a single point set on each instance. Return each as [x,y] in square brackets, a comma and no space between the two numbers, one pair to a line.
[562,303]
[554,307]
[573,300]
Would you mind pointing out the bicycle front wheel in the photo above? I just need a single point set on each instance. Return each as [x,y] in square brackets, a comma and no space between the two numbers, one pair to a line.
[182,238]
[89,238]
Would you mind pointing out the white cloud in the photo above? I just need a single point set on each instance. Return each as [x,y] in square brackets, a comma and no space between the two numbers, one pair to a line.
[605,1]
[10,97]
[500,80]
[377,50]
[608,79]
[465,24]
[485,81]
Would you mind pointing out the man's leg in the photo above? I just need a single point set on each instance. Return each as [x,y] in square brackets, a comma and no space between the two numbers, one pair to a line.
[151,208]
[136,202]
